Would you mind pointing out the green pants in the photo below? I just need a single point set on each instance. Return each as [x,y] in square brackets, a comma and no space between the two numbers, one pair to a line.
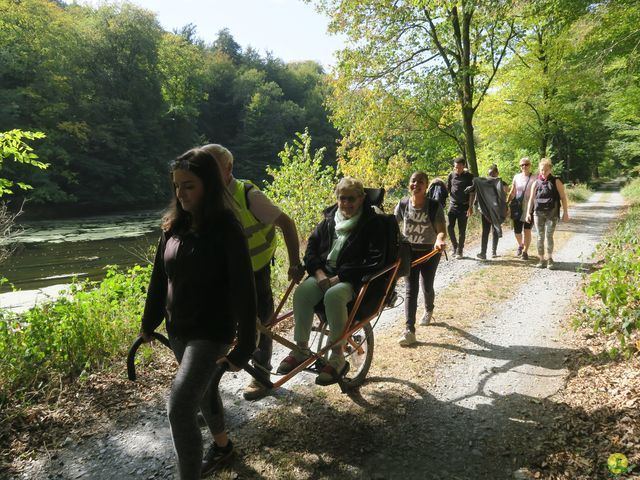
[335,299]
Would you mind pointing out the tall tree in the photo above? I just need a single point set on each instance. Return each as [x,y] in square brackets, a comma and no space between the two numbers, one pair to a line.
[396,45]
[611,49]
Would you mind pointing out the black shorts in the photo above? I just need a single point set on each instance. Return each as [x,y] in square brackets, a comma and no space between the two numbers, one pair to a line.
[517,226]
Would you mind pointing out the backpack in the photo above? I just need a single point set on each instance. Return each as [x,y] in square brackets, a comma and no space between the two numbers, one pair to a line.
[547,196]
[438,191]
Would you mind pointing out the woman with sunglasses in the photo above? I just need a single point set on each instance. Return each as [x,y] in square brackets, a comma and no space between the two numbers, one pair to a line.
[346,245]
[521,189]
[202,286]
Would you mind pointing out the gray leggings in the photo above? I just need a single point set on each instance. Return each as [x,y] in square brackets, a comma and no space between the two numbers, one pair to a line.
[546,226]
[191,391]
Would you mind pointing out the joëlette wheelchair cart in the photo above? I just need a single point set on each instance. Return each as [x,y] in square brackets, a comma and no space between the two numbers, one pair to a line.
[376,294]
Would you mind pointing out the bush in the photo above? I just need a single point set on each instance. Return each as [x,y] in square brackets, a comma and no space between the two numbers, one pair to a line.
[578,192]
[301,186]
[614,288]
[89,327]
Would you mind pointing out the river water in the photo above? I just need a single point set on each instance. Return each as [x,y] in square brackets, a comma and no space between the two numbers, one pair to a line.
[54,252]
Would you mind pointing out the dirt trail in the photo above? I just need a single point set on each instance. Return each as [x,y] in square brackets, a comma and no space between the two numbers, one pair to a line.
[481,414]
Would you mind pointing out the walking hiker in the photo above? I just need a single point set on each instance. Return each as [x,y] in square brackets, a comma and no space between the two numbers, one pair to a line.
[258,216]
[518,200]
[202,286]
[492,206]
[460,204]
[423,223]
[548,196]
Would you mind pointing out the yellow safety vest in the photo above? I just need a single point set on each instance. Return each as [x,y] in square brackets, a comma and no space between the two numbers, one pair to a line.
[261,237]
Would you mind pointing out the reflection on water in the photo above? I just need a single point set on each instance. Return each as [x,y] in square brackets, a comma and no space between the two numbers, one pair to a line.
[51,252]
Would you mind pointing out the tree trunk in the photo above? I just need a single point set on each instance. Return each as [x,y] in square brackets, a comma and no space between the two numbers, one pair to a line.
[467,93]
[469,141]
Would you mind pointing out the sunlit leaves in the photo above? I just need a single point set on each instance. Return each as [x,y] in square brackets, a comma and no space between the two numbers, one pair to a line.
[182,69]
[399,49]
[14,147]
[302,187]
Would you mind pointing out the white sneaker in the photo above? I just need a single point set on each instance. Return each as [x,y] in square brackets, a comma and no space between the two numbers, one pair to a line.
[426,318]
[408,338]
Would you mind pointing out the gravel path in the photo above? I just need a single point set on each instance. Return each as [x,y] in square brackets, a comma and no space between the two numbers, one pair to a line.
[489,396]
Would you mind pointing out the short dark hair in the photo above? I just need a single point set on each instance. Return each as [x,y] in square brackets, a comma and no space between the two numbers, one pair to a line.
[420,174]
[460,160]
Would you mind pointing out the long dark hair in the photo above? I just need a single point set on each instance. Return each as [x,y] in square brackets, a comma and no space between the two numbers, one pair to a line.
[216,196]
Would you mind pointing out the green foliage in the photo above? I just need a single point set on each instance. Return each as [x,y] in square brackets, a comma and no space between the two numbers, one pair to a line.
[547,102]
[422,68]
[615,308]
[578,192]
[118,97]
[88,327]
[14,147]
[302,187]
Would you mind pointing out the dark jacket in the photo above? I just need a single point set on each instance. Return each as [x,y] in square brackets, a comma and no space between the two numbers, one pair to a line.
[491,200]
[363,253]
[202,285]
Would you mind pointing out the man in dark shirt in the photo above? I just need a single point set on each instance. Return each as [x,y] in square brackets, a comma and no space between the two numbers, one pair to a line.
[460,204]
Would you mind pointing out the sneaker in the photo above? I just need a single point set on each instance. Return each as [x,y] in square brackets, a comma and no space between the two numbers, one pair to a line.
[481,256]
[255,390]
[407,339]
[551,265]
[541,264]
[525,256]
[426,318]
[335,368]
[292,360]
[519,251]
[494,254]
[215,458]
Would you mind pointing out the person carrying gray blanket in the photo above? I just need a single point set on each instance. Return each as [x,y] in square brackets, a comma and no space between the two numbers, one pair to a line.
[492,203]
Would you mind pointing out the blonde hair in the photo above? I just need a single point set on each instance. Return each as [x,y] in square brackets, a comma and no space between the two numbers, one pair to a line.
[350,184]
[222,155]
[546,162]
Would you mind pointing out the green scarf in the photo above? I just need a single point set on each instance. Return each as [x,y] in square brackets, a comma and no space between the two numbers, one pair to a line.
[344,226]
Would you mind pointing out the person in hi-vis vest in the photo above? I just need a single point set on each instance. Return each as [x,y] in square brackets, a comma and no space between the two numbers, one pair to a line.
[259,217]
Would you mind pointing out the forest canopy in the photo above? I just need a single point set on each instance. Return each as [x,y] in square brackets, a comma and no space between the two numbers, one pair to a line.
[118,97]
[417,84]
[492,80]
